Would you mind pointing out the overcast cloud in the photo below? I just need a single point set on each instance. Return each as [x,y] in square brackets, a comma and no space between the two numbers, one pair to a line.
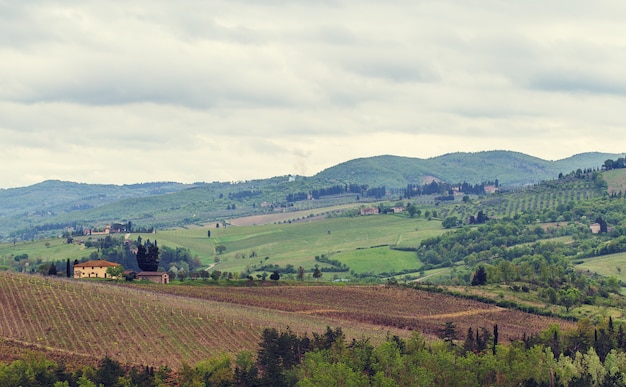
[140,91]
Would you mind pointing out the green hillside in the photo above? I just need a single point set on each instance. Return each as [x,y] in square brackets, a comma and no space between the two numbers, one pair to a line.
[49,208]
[510,168]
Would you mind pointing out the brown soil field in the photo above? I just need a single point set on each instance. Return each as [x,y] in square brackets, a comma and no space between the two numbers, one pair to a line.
[174,324]
[398,307]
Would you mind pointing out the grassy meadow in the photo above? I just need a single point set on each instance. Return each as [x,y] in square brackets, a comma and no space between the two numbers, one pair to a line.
[362,243]
[616,180]
[53,249]
[612,265]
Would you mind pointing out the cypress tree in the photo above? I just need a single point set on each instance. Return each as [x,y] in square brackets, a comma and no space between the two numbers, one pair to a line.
[68,271]
[495,338]
[470,342]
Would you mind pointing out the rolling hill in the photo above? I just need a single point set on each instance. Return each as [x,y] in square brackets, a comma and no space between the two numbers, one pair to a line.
[510,168]
[47,208]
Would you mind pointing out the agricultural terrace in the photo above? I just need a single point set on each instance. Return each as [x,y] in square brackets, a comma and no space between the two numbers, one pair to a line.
[141,326]
[385,306]
[545,196]
[157,325]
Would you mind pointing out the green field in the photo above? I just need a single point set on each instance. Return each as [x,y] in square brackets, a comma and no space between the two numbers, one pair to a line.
[616,180]
[362,243]
[298,243]
[56,249]
[613,265]
[378,260]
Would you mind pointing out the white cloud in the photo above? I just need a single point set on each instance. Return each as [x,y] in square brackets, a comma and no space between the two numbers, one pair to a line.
[227,90]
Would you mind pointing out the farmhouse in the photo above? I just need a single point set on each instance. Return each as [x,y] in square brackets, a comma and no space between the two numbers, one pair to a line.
[490,189]
[158,277]
[369,211]
[93,269]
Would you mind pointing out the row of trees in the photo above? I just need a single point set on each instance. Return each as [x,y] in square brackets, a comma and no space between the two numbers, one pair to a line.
[442,188]
[317,193]
[615,164]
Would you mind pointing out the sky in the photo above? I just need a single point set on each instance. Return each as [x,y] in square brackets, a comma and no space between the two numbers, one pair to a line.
[187,91]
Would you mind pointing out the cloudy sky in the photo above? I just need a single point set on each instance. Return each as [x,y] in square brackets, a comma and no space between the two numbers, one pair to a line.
[190,90]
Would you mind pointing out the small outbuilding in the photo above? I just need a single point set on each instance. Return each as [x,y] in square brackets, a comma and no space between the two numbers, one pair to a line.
[158,277]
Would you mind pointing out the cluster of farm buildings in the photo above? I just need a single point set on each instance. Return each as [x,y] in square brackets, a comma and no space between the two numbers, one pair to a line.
[98,269]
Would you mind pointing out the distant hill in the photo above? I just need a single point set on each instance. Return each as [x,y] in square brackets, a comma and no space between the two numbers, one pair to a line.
[49,207]
[65,196]
[510,168]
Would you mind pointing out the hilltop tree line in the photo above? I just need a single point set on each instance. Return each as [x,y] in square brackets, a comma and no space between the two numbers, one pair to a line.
[442,188]
[615,164]
[361,190]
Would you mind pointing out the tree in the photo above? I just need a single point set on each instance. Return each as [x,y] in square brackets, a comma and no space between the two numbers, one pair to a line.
[220,249]
[317,273]
[108,372]
[215,275]
[68,270]
[275,276]
[449,222]
[208,233]
[115,272]
[495,338]
[147,255]
[480,276]
[412,210]
[448,332]
[470,342]
[569,297]
[603,225]
[53,269]
[300,273]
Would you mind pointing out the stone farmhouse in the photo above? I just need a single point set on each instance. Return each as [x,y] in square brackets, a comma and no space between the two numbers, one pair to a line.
[369,211]
[93,269]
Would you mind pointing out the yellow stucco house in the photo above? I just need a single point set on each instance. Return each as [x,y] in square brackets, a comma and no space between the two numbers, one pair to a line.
[93,269]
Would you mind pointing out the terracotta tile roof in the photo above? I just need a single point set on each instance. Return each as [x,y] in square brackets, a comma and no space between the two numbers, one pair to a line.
[97,263]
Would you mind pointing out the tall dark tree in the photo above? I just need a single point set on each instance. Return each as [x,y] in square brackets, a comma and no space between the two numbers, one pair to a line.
[317,273]
[603,226]
[108,373]
[147,255]
[53,269]
[68,270]
[300,273]
[480,276]
[470,341]
[275,276]
[495,338]
[448,332]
